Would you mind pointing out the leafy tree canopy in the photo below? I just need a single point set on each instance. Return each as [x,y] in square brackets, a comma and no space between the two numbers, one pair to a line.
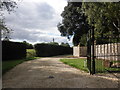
[74,22]
[104,16]
[80,17]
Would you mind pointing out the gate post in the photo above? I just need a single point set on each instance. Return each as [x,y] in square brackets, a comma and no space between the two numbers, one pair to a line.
[93,54]
[89,51]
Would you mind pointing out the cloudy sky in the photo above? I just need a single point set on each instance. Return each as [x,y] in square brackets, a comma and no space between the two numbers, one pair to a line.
[36,21]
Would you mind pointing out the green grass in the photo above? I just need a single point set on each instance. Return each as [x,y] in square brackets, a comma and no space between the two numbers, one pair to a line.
[31,53]
[77,63]
[9,64]
[100,68]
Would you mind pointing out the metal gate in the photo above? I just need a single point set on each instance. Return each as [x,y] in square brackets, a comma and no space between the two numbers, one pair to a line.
[103,53]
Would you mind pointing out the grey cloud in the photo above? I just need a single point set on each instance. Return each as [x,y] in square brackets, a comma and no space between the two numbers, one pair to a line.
[45,11]
[36,36]
[32,20]
[37,16]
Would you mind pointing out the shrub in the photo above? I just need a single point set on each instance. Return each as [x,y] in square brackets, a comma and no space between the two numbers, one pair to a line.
[13,50]
[51,50]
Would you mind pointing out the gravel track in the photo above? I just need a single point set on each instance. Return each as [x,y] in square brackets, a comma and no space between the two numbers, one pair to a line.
[51,73]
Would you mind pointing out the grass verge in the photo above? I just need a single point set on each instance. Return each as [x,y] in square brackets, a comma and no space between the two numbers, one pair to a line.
[9,64]
[77,63]
[82,65]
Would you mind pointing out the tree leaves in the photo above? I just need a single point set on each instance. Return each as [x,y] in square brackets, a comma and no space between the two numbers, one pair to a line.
[9,7]
[74,22]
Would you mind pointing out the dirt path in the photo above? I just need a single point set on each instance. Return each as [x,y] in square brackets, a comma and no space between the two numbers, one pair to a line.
[51,73]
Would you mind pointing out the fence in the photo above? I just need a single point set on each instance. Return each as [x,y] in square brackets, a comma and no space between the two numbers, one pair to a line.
[79,51]
[108,51]
[103,51]
[107,56]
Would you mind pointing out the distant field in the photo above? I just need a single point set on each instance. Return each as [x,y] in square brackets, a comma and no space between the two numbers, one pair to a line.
[31,53]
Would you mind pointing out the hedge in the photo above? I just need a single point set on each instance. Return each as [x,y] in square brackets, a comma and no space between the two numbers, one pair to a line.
[13,50]
[46,50]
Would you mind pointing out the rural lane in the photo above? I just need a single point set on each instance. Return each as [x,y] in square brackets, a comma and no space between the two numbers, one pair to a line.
[51,73]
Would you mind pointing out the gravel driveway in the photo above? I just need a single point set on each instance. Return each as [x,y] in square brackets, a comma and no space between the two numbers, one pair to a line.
[51,73]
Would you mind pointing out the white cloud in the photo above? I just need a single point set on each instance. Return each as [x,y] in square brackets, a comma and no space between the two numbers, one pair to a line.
[36,21]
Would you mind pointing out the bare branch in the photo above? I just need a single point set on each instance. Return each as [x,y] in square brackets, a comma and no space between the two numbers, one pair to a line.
[115,26]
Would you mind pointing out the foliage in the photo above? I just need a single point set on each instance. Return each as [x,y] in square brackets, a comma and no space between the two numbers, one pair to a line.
[9,7]
[53,43]
[44,50]
[74,22]
[83,40]
[80,17]
[104,16]
[28,45]
[13,50]
[65,44]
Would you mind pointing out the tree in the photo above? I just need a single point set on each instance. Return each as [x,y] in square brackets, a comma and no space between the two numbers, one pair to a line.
[53,43]
[74,22]
[9,7]
[104,16]
[65,44]
[28,45]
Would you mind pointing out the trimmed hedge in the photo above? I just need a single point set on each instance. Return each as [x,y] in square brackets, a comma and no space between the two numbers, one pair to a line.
[13,50]
[46,50]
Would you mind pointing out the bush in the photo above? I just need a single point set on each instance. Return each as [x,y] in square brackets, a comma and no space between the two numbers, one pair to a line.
[43,50]
[13,50]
